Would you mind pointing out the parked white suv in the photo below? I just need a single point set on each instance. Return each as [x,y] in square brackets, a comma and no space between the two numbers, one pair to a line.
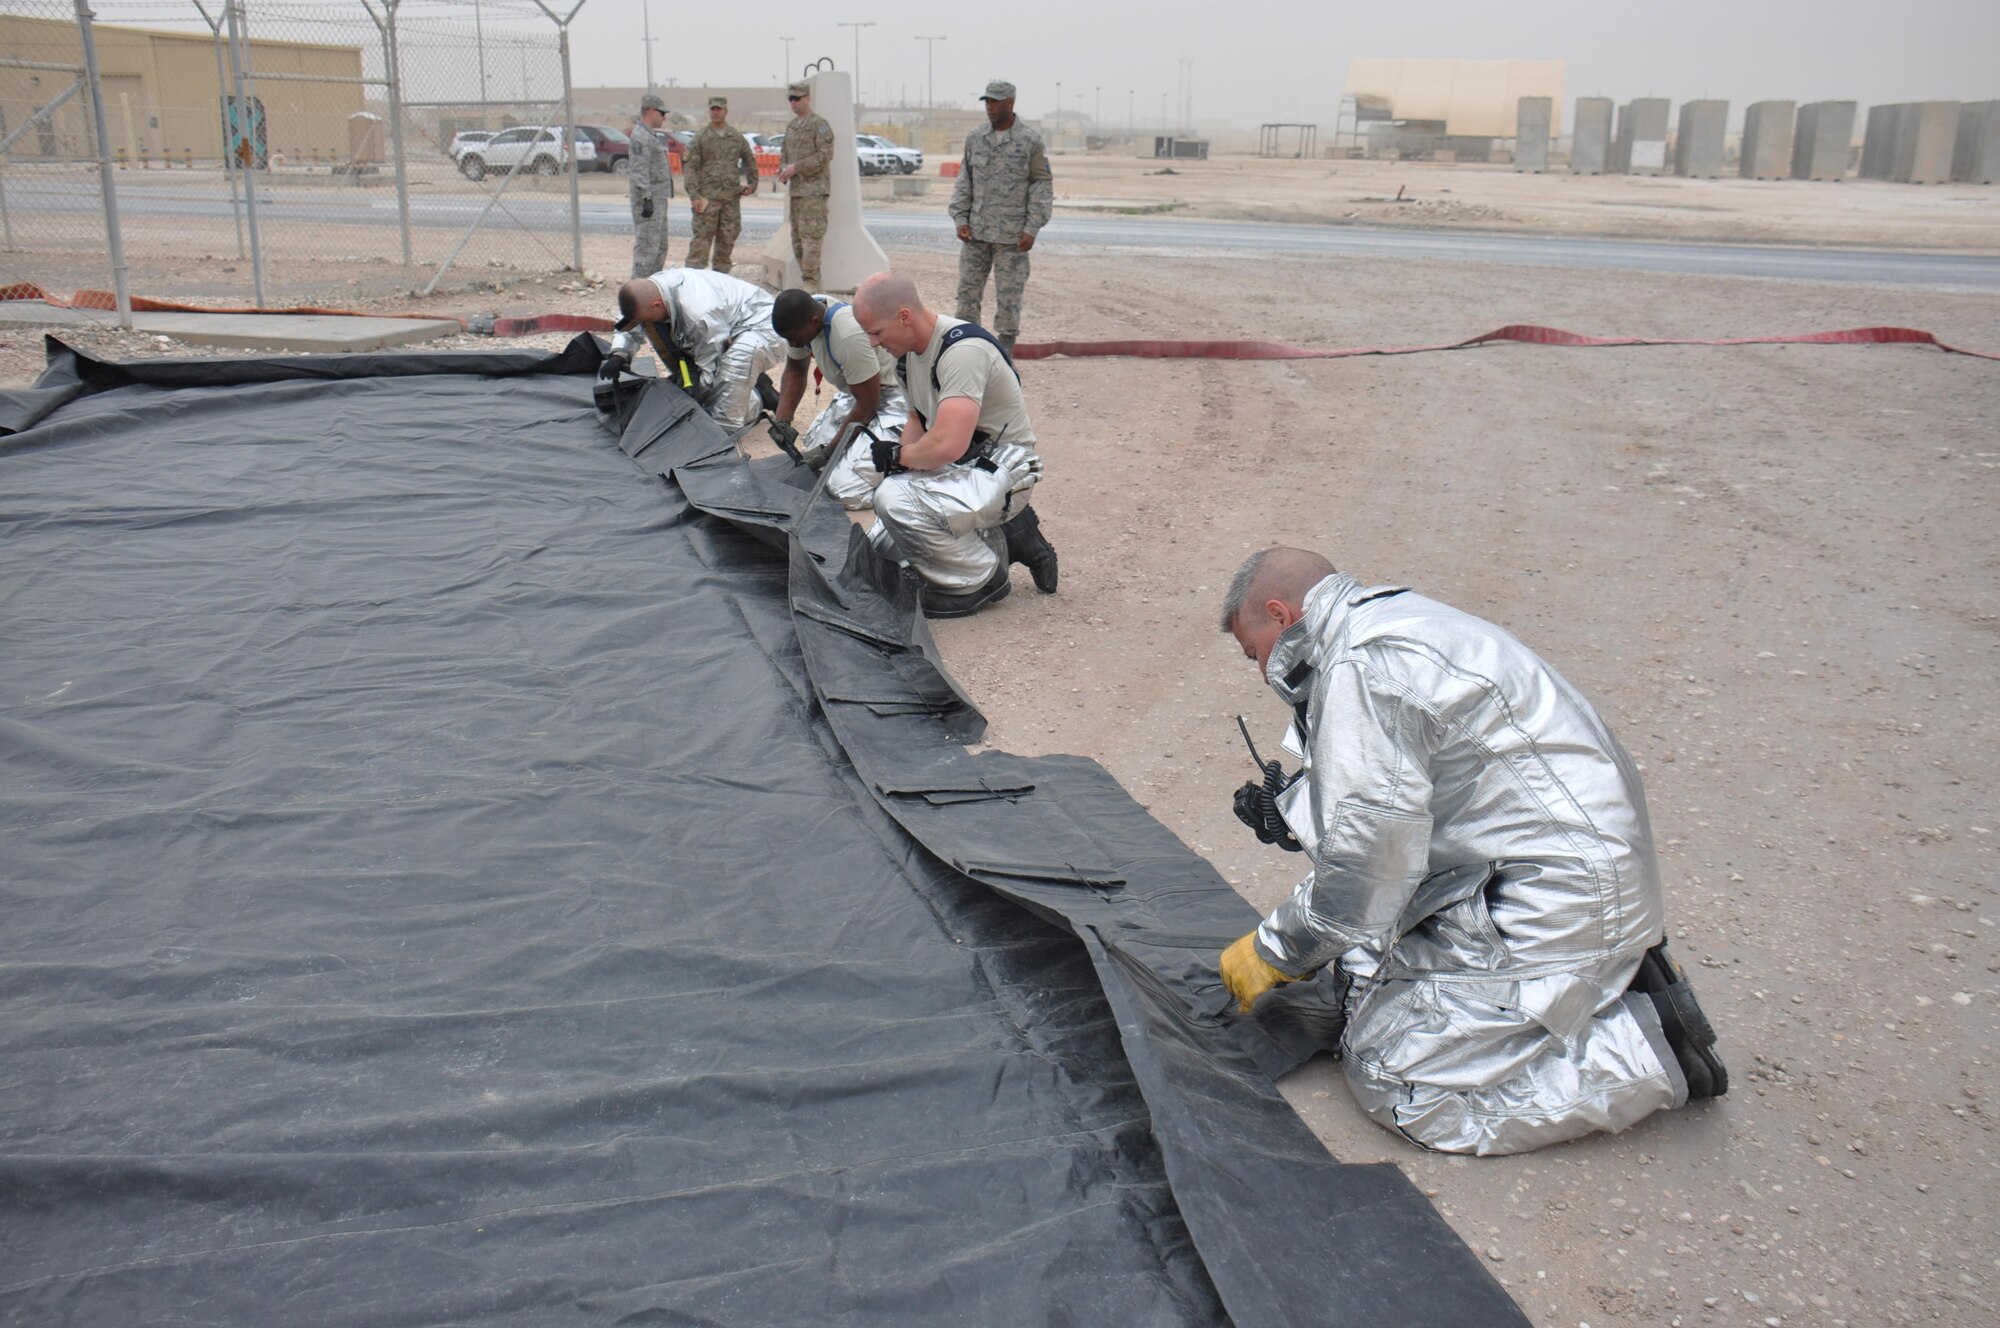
[874,160]
[536,148]
[466,138]
[908,160]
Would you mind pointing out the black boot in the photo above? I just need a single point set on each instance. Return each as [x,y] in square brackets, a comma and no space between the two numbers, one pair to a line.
[1027,546]
[944,604]
[1006,340]
[1688,1031]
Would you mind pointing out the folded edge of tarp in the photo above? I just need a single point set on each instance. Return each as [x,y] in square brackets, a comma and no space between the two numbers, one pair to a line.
[72,373]
[1288,1233]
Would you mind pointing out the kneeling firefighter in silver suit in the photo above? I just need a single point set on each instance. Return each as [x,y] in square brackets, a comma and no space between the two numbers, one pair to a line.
[953,500]
[1482,875]
[712,333]
[868,403]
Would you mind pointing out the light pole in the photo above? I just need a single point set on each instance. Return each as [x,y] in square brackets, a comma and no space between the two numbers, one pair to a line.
[930,81]
[1131,114]
[787,70]
[1058,112]
[646,23]
[479,40]
[1097,115]
[857,57]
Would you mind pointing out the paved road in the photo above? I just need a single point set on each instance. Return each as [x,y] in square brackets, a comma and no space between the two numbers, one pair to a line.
[1159,236]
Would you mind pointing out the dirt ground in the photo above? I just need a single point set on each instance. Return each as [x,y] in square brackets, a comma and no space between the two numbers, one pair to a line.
[1772,568]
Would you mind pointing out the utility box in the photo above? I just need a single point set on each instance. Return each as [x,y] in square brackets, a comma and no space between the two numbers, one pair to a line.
[1976,159]
[1822,140]
[1590,138]
[364,139]
[1532,121]
[1698,145]
[1767,140]
[1641,148]
[1180,149]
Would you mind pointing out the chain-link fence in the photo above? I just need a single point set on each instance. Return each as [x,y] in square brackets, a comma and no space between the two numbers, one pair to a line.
[280,151]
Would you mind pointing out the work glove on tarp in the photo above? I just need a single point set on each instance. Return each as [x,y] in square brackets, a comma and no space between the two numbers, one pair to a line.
[615,363]
[1256,805]
[1248,974]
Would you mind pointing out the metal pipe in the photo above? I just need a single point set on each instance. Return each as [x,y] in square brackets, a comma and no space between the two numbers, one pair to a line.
[43,114]
[393,76]
[228,157]
[114,239]
[233,11]
[569,131]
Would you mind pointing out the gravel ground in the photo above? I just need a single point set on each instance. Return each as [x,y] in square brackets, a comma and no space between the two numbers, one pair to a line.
[1773,569]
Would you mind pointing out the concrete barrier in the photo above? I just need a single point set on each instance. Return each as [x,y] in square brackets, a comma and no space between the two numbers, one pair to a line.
[1823,140]
[1698,147]
[1590,137]
[1976,160]
[1641,147]
[1767,140]
[1532,121]
[1926,134]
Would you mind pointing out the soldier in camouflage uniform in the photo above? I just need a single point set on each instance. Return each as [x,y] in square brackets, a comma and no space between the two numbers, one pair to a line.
[651,184]
[807,155]
[1004,195]
[721,171]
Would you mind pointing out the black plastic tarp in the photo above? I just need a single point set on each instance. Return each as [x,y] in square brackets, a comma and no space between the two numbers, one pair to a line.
[455,875]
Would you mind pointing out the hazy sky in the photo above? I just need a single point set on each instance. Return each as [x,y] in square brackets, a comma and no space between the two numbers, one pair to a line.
[1254,60]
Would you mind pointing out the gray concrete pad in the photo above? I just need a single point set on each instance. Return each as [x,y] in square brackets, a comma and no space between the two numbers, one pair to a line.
[294,332]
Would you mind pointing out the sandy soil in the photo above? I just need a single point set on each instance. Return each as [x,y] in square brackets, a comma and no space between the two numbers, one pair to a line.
[1774,571]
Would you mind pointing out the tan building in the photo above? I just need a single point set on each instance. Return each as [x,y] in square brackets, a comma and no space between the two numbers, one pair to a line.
[1467,98]
[161,96]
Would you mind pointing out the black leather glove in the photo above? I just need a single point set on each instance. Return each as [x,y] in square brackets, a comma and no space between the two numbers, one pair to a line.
[887,455]
[617,362]
[646,208]
[784,435]
[1256,805]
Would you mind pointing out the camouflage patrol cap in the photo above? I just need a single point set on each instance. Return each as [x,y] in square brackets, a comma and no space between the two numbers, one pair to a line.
[649,102]
[714,102]
[799,89]
[998,90]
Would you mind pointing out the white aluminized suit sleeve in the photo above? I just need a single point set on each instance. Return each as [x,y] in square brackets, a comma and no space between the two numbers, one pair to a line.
[1370,793]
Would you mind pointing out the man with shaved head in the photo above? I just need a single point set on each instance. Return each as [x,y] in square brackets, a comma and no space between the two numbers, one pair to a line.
[1483,878]
[952,503]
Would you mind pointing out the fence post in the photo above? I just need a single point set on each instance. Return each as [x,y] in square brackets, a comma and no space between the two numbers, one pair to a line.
[392,57]
[228,157]
[569,132]
[234,10]
[114,239]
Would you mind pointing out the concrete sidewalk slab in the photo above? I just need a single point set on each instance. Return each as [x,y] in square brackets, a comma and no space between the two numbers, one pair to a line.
[299,332]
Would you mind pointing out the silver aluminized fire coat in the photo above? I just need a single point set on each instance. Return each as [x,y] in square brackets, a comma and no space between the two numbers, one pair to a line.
[1482,867]
[723,324]
[853,477]
[946,523]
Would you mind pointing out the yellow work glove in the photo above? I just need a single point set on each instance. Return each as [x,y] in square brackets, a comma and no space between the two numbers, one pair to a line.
[1246,973]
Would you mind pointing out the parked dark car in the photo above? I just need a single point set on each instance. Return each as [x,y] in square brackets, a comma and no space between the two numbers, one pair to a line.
[614,149]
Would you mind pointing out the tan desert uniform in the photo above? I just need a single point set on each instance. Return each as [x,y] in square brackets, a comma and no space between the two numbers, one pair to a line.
[809,151]
[719,167]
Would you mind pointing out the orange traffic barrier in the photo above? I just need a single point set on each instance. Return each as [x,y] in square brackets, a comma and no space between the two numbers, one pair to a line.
[948,168]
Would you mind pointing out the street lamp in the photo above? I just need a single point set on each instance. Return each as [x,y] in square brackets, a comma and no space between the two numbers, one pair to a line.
[787,70]
[930,82]
[646,24]
[857,56]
